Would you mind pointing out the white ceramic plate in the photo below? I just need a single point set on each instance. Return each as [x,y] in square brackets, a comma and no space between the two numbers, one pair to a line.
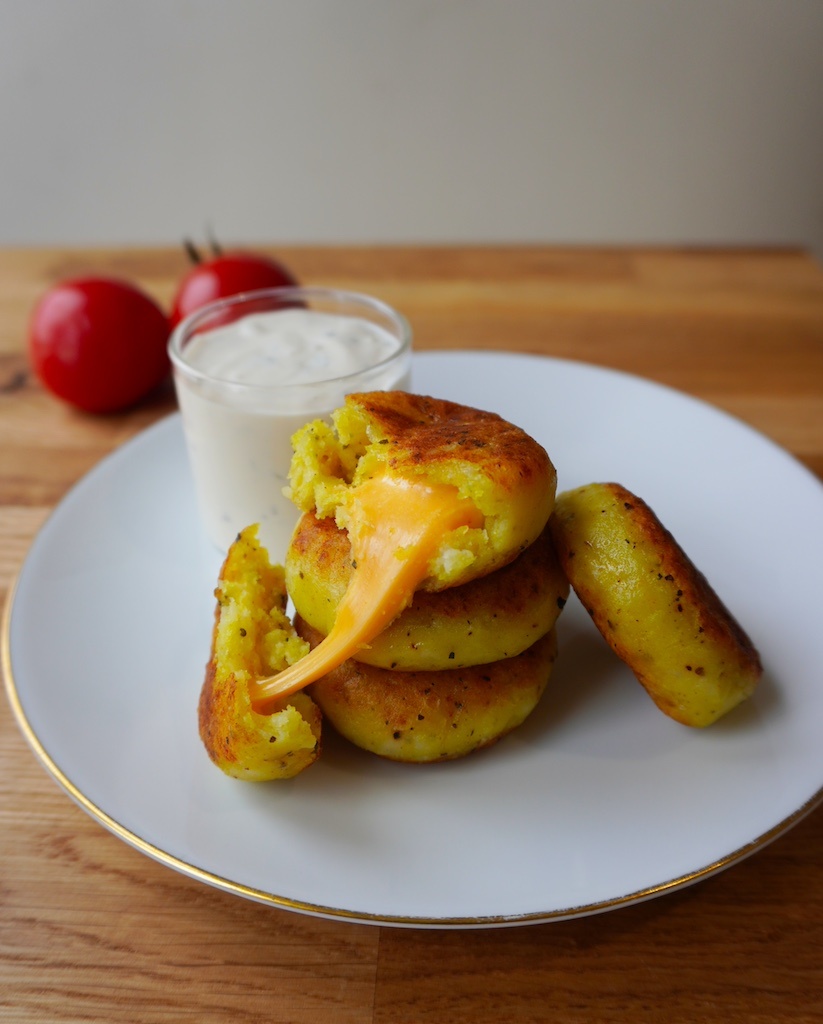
[598,801]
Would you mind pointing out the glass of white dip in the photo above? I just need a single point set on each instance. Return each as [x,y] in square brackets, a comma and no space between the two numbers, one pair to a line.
[250,370]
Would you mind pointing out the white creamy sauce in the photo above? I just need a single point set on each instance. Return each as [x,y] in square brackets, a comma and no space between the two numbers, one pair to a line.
[263,377]
[289,346]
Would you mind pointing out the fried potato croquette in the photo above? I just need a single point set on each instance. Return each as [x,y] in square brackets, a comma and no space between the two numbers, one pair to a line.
[655,609]
[505,474]
[252,637]
[423,717]
[497,616]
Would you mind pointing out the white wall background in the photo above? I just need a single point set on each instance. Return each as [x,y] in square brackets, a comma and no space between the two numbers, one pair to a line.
[144,121]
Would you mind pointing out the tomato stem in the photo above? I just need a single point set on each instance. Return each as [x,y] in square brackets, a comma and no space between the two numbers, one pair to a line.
[192,252]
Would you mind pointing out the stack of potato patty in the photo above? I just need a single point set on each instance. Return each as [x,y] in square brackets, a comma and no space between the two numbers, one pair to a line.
[468,659]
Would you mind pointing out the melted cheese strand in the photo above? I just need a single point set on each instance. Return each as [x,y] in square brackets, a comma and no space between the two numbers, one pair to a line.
[397,526]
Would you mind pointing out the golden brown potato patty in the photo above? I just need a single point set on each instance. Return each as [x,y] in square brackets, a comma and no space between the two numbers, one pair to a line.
[494,617]
[497,466]
[654,607]
[431,716]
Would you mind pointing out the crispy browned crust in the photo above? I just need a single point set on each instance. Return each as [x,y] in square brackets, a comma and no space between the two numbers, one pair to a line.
[496,616]
[716,621]
[425,431]
[216,706]
[432,716]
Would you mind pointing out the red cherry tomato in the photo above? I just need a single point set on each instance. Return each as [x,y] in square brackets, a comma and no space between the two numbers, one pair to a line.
[227,275]
[99,343]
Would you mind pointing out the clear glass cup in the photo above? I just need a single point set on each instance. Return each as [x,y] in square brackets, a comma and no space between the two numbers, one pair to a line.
[251,369]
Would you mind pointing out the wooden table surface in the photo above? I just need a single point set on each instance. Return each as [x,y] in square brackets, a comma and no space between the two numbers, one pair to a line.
[91,930]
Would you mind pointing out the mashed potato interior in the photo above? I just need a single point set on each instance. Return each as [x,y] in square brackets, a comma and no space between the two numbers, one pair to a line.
[253,637]
[504,473]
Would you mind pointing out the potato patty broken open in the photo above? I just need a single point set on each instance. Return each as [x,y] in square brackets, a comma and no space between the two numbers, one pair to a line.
[252,637]
[493,464]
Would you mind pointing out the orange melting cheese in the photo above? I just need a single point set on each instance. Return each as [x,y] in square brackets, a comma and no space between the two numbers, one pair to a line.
[396,527]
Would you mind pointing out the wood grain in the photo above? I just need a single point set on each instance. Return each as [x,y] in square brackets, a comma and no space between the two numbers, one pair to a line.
[91,930]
